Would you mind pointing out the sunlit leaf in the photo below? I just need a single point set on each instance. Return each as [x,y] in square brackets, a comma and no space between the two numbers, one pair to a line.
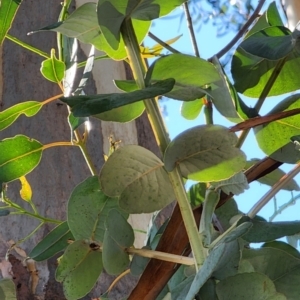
[25,192]
[54,242]
[88,208]
[137,176]
[53,69]
[18,156]
[79,269]
[9,115]
[205,153]
[191,109]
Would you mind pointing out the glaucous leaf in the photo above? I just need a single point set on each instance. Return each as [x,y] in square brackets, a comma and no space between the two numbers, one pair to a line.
[205,153]
[54,242]
[7,289]
[18,156]
[88,208]
[84,106]
[118,236]
[137,176]
[282,246]
[79,269]
[9,115]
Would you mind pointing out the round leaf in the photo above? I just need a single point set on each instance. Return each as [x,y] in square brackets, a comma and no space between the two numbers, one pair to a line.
[18,156]
[79,269]
[137,176]
[191,109]
[205,153]
[53,69]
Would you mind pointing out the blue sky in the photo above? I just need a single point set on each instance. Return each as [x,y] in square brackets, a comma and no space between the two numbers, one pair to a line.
[208,45]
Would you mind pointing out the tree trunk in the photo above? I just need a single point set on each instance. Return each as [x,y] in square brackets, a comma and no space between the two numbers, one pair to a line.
[61,168]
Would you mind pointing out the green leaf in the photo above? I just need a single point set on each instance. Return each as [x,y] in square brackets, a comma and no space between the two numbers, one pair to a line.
[205,153]
[111,14]
[8,11]
[88,208]
[137,176]
[83,25]
[139,263]
[274,138]
[18,156]
[4,212]
[192,75]
[273,177]
[83,106]
[126,85]
[248,286]
[190,110]
[28,108]
[282,246]
[269,231]
[53,69]
[282,268]
[196,194]
[226,212]
[79,269]
[54,242]
[118,236]
[251,73]
[7,289]
[205,272]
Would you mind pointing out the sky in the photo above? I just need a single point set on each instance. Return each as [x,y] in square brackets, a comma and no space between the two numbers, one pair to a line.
[209,44]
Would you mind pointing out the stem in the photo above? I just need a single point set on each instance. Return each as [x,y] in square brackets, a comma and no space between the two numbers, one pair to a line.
[162,137]
[27,46]
[273,191]
[52,99]
[29,235]
[178,259]
[55,144]
[262,97]
[208,110]
[87,157]
[159,41]
[191,28]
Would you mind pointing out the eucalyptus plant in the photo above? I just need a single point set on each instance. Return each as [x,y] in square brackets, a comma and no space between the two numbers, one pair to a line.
[206,222]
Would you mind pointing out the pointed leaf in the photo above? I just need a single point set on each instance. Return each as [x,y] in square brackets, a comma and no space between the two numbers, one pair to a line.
[118,236]
[7,289]
[269,231]
[83,106]
[248,286]
[28,108]
[274,138]
[192,75]
[18,156]
[190,110]
[282,268]
[8,11]
[137,176]
[79,269]
[53,69]
[54,242]
[25,192]
[205,153]
[111,14]
[88,208]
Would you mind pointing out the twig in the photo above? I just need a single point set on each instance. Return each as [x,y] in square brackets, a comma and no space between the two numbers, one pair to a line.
[273,191]
[242,31]
[159,41]
[191,29]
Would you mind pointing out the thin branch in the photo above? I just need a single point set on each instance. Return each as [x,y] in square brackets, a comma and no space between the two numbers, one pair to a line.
[273,191]
[242,31]
[191,28]
[159,41]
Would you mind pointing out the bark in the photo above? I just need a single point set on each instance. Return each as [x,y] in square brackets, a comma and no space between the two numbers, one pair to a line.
[61,168]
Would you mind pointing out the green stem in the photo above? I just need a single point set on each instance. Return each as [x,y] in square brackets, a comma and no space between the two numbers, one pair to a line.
[30,234]
[263,97]
[27,46]
[162,137]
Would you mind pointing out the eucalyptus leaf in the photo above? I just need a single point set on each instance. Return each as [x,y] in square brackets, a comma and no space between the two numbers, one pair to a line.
[18,156]
[275,138]
[7,289]
[118,236]
[191,109]
[53,69]
[137,176]
[205,153]
[88,209]
[196,194]
[79,269]
[193,75]
[54,242]
[139,263]
[226,212]
[248,286]
[4,212]
[281,267]
[9,115]
[84,106]
[282,246]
